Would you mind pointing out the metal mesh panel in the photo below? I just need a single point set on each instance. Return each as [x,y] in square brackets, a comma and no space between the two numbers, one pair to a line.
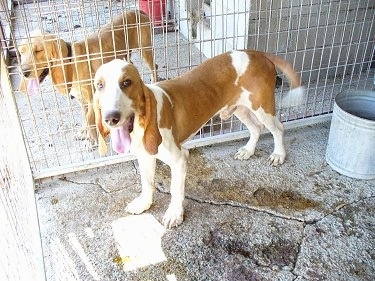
[331,43]
[20,246]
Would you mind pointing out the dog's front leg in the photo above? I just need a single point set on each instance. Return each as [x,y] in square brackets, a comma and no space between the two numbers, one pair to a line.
[92,139]
[142,203]
[82,133]
[175,212]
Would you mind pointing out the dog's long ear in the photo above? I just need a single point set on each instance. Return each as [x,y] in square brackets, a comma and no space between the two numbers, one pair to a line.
[103,130]
[52,46]
[151,138]
[61,75]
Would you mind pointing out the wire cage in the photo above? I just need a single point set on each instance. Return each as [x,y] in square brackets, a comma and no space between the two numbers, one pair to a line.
[331,43]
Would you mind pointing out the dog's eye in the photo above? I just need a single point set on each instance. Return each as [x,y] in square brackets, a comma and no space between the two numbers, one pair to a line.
[99,86]
[126,83]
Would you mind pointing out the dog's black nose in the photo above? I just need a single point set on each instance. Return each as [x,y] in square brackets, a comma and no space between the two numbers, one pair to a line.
[25,71]
[112,117]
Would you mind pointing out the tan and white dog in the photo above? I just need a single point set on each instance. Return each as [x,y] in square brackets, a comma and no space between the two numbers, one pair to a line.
[154,120]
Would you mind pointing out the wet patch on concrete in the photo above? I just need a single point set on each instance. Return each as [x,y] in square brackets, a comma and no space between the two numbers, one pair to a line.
[226,190]
[236,245]
[285,199]
[243,273]
[277,253]
[206,182]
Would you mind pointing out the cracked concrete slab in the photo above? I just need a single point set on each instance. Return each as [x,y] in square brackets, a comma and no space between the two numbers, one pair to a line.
[244,220]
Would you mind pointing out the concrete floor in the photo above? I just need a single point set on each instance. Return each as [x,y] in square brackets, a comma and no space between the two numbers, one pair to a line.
[244,220]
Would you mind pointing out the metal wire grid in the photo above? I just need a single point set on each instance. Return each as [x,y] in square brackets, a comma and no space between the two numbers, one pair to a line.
[20,246]
[51,120]
[330,42]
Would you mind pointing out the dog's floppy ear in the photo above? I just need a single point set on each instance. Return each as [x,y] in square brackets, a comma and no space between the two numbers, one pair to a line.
[60,74]
[151,138]
[103,130]
[51,45]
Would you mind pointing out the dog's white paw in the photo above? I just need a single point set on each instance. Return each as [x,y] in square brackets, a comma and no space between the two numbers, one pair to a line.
[173,216]
[81,135]
[243,153]
[138,205]
[91,144]
[276,159]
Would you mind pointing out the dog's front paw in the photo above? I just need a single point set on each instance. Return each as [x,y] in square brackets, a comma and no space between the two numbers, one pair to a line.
[244,153]
[276,159]
[138,205]
[173,216]
[91,144]
[81,135]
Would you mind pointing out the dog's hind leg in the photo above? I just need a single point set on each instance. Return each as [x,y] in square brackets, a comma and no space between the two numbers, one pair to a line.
[247,117]
[147,165]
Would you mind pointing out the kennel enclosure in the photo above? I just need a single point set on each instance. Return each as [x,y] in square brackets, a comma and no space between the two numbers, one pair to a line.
[331,43]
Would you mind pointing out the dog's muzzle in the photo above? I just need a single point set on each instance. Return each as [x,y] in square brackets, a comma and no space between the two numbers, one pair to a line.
[112,117]
[25,71]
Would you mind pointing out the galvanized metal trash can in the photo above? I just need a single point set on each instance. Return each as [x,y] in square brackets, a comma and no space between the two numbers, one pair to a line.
[351,142]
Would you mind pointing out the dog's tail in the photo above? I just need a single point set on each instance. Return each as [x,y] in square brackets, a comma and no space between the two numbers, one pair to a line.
[296,95]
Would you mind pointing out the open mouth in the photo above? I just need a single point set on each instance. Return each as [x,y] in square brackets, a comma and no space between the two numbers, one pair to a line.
[33,83]
[43,75]
[120,136]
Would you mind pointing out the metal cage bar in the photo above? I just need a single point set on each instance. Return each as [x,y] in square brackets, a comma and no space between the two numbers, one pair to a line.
[20,242]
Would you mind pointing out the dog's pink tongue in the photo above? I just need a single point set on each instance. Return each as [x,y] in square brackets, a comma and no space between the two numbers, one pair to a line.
[32,86]
[120,138]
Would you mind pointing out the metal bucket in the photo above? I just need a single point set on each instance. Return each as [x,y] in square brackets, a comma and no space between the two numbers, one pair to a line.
[351,142]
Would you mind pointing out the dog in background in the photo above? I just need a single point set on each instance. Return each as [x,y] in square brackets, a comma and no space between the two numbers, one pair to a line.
[154,120]
[194,11]
[73,66]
